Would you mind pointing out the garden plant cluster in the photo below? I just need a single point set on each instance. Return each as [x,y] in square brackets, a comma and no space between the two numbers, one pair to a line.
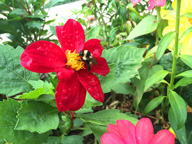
[118,73]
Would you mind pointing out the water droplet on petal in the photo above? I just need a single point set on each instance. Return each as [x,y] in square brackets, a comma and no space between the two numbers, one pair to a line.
[94,83]
[64,91]
[70,89]
[29,62]
[90,90]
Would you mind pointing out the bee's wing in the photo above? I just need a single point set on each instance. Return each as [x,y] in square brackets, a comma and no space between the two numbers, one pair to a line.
[94,61]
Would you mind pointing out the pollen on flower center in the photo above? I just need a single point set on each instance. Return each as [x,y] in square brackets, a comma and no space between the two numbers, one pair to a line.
[190,20]
[73,61]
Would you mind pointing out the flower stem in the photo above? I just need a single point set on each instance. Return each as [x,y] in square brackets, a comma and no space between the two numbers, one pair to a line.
[157,37]
[176,43]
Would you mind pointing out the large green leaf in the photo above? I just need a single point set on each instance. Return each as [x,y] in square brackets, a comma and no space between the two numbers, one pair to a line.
[8,112]
[37,116]
[73,139]
[167,60]
[180,133]
[178,107]
[124,62]
[52,3]
[153,104]
[92,33]
[187,59]
[106,117]
[183,82]
[40,87]
[147,25]
[89,103]
[186,74]
[14,78]
[162,46]
[155,78]
[97,130]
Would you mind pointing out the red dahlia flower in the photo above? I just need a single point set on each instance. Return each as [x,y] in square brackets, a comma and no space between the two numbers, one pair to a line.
[74,78]
[126,133]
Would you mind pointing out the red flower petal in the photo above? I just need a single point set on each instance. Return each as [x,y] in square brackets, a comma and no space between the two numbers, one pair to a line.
[70,95]
[64,73]
[144,131]
[29,64]
[94,46]
[102,67]
[127,131]
[45,53]
[162,137]
[92,84]
[71,36]
[111,138]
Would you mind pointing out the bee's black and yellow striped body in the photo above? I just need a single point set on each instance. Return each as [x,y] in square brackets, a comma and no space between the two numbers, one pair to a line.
[87,57]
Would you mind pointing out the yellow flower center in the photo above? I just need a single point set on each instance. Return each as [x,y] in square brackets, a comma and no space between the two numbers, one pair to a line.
[73,61]
[190,20]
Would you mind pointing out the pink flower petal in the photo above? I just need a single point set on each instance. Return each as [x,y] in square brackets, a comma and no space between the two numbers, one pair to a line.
[102,67]
[70,95]
[144,131]
[111,138]
[152,4]
[29,64]
[94,46]
[127,131]
[113,129]
[71,36]
[45,53]
[162,137]
[160,3]
[92,84]
[135,1]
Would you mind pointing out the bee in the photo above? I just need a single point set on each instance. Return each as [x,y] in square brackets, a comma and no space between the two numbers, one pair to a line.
[87,57]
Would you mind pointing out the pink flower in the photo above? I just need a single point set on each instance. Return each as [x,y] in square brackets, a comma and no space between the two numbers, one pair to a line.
[151,3]
[72,72]
[135,1]
[124,132]
[158,3]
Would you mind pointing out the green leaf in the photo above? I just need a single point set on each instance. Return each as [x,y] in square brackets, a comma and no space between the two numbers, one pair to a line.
[162,46]
[187,59]
[180,133]
[123,13]
[153,104]
[147,25]
[183,82]
[186,32]
[14,78]
[97,130]
[188,15]
[8,112]
[36,116]
[4,7]
[92,33]
[52,3]
[73,139]
[18,11]
[35,24]
[105,117]
[167,60]
[89,103]
[40,87]
[155,78]
[127,60]
[160,28]
[178,107]
[187,74]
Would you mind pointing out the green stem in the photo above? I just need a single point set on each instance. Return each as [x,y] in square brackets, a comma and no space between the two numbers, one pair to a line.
[176,43]
[157,37]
